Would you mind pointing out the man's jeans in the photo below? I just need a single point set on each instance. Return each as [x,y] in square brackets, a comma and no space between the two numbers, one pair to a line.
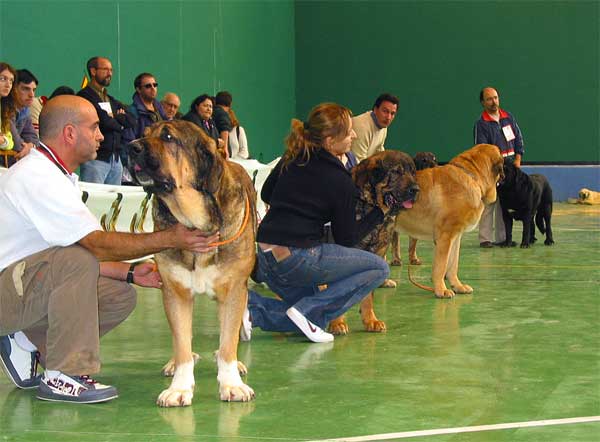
[97,171]
[321,282]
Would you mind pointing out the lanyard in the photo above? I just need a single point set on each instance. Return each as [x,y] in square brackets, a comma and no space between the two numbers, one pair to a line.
[48,153]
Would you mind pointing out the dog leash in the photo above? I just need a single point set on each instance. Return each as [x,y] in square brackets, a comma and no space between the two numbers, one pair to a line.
[415,283]
[239,232]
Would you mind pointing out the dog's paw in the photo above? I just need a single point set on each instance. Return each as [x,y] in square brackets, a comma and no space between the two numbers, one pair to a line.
[396,262]
[416,262]
[388,284]
[376,326]
[242,369]
[338,327]
[236,393]
[463,289]
[445,294]
[549,242]
[524,245]
[175,398]
[168,369]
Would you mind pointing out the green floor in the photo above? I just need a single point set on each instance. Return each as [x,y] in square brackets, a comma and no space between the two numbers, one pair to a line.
[524,347]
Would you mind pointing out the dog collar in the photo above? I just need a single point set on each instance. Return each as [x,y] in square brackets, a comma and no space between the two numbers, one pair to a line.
[239,232]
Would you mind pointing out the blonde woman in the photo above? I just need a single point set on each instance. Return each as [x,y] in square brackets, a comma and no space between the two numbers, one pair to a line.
[309,187]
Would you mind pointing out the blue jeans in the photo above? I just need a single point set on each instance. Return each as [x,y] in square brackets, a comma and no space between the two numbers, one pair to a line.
[345,277]
[97,171]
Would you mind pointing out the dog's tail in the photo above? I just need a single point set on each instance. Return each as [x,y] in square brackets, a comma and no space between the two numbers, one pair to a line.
[417,284]
[544,211]
[539,221]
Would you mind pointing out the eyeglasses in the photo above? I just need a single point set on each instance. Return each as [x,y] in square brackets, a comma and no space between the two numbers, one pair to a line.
[149,85]
[4,79]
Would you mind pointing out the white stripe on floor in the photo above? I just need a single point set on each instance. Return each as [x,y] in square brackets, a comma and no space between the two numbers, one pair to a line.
[406,434]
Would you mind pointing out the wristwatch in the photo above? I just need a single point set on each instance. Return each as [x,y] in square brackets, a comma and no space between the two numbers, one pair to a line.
[129,278]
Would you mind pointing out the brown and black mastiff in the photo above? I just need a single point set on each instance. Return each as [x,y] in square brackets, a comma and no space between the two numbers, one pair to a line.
[385,180]
[196,186]
[451,200]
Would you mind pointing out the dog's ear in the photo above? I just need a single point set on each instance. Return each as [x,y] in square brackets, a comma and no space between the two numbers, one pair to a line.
[498,169]
[378,172]
[360,172]
[210,168]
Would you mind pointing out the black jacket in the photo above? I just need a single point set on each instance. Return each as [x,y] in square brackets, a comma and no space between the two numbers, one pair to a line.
[110,127]
[212,132]
[308,195]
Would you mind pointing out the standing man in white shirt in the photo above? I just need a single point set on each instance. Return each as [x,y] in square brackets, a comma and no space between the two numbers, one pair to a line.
[371,126]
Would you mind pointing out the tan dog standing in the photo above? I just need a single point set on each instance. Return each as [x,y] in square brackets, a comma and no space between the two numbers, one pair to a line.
[450,202]
[195,186]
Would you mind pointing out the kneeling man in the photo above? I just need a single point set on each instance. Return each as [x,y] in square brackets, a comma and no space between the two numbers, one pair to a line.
[61,287]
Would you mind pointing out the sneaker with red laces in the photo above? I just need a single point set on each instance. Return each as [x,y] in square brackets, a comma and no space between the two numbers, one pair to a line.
[312,332]
[75,389]
[21,366]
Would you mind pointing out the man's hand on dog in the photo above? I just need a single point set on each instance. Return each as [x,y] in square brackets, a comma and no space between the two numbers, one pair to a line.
[192,240]
[146,275]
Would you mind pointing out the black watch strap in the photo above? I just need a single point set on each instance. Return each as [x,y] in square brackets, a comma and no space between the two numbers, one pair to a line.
[130,273]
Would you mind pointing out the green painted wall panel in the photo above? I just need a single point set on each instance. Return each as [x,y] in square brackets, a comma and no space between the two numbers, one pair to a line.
[543,57]
[279,58]
[192,47]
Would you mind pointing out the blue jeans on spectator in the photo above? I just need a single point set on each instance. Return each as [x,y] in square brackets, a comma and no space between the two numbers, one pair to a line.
[98,171]
[321,282]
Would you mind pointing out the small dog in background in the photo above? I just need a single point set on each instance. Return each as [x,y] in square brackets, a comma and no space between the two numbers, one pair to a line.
[525,197]
[423,160]
[589,197]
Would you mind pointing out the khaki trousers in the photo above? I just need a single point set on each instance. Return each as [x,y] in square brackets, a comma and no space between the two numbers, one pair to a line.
[491,219]
[57,298]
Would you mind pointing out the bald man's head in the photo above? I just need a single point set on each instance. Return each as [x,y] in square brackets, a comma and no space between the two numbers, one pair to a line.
[170,104]
[60,111]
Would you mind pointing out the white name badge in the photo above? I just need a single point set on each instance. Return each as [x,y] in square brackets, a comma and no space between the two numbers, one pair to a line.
[508,133]
[105,106]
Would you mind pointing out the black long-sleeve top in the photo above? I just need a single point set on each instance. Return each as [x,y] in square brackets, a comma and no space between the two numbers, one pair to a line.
[306,196]
[111,127]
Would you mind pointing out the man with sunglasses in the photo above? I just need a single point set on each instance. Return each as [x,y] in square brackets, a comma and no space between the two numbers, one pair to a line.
[146,109]
[114,120]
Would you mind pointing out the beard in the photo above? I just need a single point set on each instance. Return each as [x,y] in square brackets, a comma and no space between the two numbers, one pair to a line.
[104,82]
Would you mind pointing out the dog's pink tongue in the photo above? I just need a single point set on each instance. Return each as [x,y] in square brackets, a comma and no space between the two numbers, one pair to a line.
[137,168]
[407,204]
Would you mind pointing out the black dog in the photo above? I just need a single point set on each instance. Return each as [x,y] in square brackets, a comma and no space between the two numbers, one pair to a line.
[424,160]
[524,197]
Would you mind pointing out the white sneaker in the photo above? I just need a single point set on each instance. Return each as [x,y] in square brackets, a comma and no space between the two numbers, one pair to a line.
[246,327]
[312,332]
[75,389]
[19,364]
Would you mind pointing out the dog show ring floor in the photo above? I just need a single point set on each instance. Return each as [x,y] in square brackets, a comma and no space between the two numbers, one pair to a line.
[516,361]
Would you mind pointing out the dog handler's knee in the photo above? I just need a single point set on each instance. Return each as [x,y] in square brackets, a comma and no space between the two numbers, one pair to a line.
[75,259]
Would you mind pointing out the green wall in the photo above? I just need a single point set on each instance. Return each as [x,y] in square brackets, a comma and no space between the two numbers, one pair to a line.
[281,57]
[542,56]
[192,47]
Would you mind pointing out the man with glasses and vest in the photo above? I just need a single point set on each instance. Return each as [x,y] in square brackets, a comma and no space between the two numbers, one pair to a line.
[499,127]
[107,168]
